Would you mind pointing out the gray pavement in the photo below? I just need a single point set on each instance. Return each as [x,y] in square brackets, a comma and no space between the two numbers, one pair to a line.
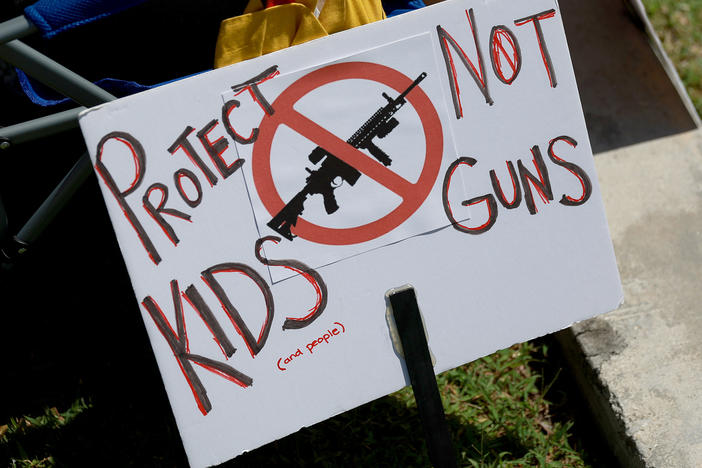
[628,89]
[640,367]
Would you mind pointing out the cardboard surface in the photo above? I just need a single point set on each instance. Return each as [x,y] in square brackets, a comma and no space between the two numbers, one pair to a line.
[489,207]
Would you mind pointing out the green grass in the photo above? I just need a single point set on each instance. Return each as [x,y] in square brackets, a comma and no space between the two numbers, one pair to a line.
[502,409]
[497,409]
[679,26]
[29,441]
[501,405]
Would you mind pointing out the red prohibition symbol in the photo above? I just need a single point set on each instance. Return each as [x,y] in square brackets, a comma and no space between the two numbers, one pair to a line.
[412,194]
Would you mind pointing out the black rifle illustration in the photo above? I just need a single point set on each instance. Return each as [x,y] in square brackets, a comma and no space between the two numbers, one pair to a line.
[320,181]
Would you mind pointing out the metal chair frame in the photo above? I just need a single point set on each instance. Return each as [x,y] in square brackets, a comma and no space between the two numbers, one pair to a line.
[70,84]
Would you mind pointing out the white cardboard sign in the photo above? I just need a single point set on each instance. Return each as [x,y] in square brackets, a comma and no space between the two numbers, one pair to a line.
[445,148]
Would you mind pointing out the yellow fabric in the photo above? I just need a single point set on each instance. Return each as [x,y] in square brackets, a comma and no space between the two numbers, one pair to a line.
[259,31]
[338,15]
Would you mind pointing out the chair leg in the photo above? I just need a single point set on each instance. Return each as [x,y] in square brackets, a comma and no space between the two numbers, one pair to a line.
[53,74]
[60,196]
[39,128]
[75,87]
[16,28]
[4,224]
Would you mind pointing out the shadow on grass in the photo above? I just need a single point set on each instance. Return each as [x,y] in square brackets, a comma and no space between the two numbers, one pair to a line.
[72,330]
[67,335]
[102,354]
[385,432]
[567,403]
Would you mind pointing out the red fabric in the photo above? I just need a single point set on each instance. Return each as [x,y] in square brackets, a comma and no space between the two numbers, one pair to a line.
[272,3]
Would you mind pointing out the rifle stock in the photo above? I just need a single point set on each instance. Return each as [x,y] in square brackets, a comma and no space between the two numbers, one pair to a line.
[287,217]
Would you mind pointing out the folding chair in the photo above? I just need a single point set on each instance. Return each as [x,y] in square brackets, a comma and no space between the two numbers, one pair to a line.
[51,18]
[15,52]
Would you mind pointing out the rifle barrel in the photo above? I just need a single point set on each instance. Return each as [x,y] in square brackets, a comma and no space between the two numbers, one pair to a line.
[368,128]
[412,86]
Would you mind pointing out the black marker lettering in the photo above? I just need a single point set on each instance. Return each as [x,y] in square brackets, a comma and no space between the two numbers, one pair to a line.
[499,36]
[516,188]
[309,274]
[178,342]
[254,345]
[216,148]
[157,212]
[542,183]
[178,180]
[574,169]
[183,143]
[140,168]
[536,19]
[192,295]
[479,77]
[488,199]
[227,109]
[251,86]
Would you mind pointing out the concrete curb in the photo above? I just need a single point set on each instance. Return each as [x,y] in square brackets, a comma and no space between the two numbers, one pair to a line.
[640,367]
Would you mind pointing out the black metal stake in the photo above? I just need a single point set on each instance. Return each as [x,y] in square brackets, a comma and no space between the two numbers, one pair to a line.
[421,374]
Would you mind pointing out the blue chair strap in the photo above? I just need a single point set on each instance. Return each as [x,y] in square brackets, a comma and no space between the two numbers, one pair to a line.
[397,7]
[52,17]
[46,97]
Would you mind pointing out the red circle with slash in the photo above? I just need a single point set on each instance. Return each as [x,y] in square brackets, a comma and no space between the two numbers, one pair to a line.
[412,194]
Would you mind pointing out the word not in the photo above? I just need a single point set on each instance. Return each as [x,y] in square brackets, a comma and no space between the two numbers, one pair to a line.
[215,147]
[177,338]
[540,181]
[504,51]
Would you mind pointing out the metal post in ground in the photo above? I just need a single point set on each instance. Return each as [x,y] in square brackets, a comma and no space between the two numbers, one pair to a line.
[421,373]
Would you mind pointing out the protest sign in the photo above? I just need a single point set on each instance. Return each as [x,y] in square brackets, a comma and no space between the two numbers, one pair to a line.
[264,209]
